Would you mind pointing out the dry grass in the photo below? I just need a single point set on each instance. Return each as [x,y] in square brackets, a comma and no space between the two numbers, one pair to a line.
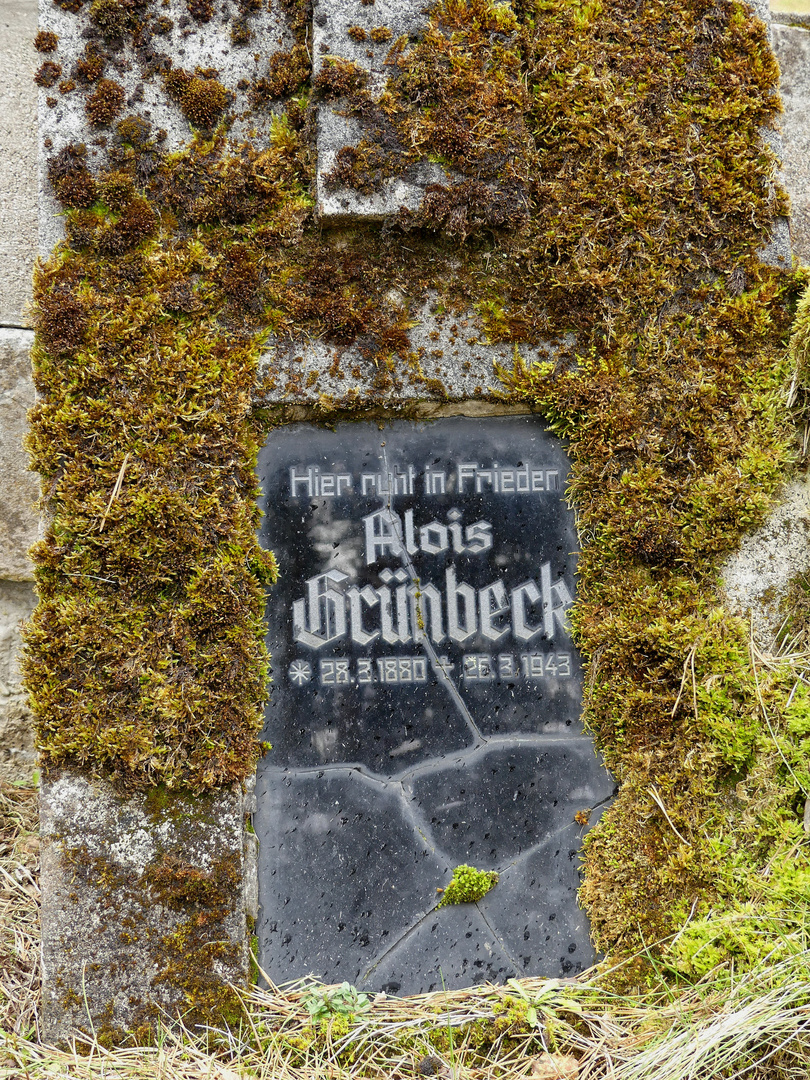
[757,1026]
[19,910]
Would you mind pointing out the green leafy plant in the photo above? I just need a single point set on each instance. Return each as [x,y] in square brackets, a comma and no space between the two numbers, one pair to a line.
[344,1001]
[542,1004]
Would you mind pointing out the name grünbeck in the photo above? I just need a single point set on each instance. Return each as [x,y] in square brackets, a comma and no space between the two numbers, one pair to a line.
[403,609]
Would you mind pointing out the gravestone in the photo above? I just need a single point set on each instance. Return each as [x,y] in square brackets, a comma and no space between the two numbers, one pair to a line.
[425,706]
[425,709]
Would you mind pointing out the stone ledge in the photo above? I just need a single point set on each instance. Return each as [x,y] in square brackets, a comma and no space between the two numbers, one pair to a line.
[757,577]
[448,358]
[143,915]
[17,754]
[19,493]
[792,48]
[18,162]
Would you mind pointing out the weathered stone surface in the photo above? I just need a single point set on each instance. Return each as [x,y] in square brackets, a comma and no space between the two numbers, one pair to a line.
[17,755]
[448,356]
[124,883]
[778,250]
[18,159]
[332,19]
[757,577]
[790,12]
[792,47]
[19,519]
[331,22]
[189,44]
[341,204]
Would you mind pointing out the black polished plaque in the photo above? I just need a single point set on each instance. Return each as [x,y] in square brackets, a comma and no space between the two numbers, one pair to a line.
[424,708]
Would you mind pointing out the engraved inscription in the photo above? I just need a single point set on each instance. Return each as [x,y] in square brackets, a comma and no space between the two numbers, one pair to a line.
[425,705]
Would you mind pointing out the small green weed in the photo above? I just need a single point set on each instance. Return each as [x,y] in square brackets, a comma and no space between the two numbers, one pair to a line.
[345,1001]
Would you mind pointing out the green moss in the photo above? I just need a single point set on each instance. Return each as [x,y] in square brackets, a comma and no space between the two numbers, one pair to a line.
[609,191]
[468,885]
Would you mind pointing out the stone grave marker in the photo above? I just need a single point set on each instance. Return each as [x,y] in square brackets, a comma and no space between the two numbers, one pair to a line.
[425,709]
[425,706]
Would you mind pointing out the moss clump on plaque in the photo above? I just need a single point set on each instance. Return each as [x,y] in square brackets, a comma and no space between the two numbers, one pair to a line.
[468,885]
[635,192]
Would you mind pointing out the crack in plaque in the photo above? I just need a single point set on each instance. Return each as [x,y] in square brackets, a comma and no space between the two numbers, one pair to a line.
[497,937]
[549,838]
[493,743]
[375,963]
[420,637]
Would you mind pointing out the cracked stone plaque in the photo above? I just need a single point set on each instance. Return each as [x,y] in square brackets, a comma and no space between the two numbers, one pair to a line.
[425,706]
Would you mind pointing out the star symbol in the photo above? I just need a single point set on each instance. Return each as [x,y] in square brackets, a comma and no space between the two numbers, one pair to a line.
[444,665]
[300,672]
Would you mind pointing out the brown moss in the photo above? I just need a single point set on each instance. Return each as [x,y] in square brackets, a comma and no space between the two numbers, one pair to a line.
[136,223]
[179,296]
[116,188]
[201,97]
[179,885]
[380,34]
[70,178]
[135,131]
[299,16]
[357,33]
[286,72]
[48,74]
[240,277]
[467,64]
[90,67]
[105,103]
[61,321]
[469,207]
[201,11]
[46,41]
[241,32]
[340,78]
[361,167]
